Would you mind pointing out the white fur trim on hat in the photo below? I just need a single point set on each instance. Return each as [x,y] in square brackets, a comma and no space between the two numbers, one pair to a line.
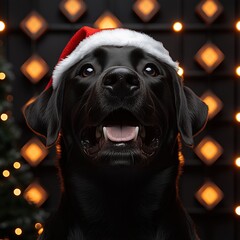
[114,37]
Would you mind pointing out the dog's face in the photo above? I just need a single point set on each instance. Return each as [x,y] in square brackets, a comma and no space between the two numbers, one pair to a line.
[118,106]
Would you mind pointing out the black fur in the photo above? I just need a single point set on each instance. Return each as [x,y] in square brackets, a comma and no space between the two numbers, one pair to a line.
[119,191]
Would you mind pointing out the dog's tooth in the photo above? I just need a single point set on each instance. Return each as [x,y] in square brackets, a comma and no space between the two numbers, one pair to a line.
[136,133]
[105,133]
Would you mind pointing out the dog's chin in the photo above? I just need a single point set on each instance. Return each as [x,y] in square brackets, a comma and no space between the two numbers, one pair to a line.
[120,140]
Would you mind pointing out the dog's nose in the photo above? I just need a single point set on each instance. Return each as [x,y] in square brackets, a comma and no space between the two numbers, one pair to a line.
[121,82]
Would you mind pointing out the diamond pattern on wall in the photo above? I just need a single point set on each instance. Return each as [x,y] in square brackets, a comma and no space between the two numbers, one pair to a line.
[35,68]
[34,25]
[208,150]
[107,20]
[35,194]
[215,105]
[146,9]
[209,195]
[34,152]
[209,57]
[73,9]
[209,10]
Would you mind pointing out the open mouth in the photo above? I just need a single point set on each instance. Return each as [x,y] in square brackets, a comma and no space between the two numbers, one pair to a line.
[120,131]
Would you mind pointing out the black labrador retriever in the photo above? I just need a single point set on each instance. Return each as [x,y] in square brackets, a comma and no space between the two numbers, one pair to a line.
[118,114]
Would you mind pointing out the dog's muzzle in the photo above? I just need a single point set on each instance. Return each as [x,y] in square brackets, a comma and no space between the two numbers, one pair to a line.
[121,82]
[121,130]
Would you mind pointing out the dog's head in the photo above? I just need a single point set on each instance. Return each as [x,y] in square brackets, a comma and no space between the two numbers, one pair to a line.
[118,105]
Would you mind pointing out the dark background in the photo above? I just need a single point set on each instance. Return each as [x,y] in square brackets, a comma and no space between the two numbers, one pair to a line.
[221,223]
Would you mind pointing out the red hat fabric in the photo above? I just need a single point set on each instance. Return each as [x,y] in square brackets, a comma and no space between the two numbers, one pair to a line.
[87,39]
[81,34]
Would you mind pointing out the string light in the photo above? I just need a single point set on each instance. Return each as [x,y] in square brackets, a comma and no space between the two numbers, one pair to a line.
[237,117]
[17,192]
[2,26]
[17,165]
[18,231]
[238,25]
[2,75]
[238,70]
[177,26]
[40,231]
[38,226]
[180,71]
[6,173]
[4,117]
[237,210]
[237,161]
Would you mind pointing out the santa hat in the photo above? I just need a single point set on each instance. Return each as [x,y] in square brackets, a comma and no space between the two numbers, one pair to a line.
[87,39]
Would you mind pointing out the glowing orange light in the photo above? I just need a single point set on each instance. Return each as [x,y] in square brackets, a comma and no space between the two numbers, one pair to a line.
[146,9]
[2,26]
[238,70]
[2,75]
[209,195]
[177,26]
[34,25]
[40,231]
[209,10]
[6,173]
[4,117]
[34,152]
[34,68]
[209,57]
[72,6]
[180,71]
[17,192]
[213,102]
[237,117]
[18,231]
[208,150]
[237,210]
[238,25]
[146,6]
[73,9]
[107,20]
[17,165]
[35,194]
[237,162]
[38,226]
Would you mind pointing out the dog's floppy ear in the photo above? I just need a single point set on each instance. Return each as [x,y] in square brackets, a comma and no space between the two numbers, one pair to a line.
[191,111]
[44,114]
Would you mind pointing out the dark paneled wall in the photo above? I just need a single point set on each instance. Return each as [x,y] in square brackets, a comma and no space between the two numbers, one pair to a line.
[221,223]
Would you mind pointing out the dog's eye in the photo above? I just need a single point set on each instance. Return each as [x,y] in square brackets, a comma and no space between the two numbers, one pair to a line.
[151,69]
[87,70]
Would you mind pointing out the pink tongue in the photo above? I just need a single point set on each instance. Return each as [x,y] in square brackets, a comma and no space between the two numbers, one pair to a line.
[121,133]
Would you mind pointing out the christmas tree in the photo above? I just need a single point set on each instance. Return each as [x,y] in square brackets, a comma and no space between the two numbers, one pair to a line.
[18,218]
